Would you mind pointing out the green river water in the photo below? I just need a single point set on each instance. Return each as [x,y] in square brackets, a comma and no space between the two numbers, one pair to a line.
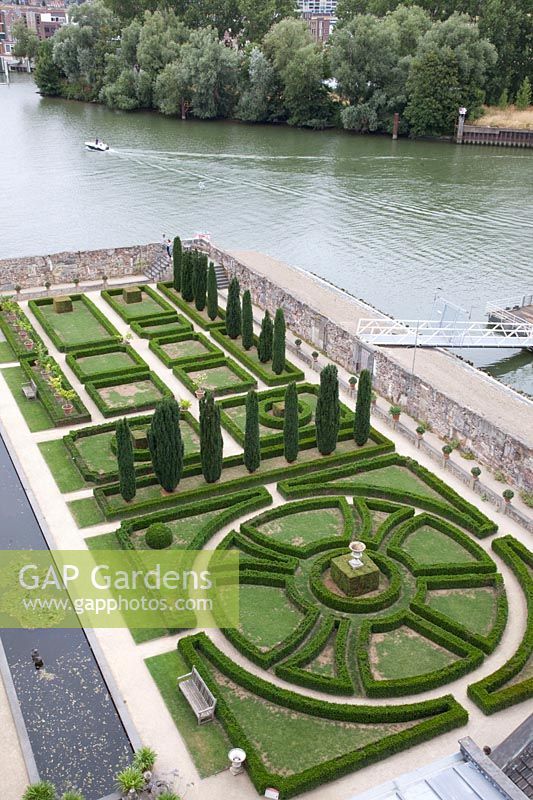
[391,222]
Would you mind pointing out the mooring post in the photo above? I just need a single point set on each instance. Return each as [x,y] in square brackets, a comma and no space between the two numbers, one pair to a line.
[395,126]
[461,125]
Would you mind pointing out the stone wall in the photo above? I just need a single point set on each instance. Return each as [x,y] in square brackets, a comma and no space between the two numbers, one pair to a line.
[34,271]
[492,445]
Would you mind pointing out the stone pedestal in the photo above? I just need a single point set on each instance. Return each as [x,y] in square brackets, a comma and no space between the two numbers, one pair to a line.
[132,294]
[354,582]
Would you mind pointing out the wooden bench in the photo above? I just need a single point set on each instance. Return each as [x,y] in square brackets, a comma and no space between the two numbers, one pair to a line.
[200,699]
[29,390]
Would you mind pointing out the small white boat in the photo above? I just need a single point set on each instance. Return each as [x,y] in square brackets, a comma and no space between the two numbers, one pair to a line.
[97,145]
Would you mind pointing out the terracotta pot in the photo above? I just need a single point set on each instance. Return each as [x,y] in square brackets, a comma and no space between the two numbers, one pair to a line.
[28,344]
[446,456]
[396,417]
[199,393]
[507,501]
[68,408]
[419,436]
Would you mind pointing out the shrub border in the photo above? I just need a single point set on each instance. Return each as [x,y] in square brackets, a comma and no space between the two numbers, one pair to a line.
[166,309]
[93,386]
[20,352]
[138,366]
[45,396]
[138,327]
[65,347]
[247,381]
[156,343]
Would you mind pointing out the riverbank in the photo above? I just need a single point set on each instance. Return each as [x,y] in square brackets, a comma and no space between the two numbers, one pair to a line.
[510,117]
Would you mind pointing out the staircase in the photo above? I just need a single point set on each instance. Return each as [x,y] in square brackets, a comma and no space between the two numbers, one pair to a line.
[158,269]
[222,278]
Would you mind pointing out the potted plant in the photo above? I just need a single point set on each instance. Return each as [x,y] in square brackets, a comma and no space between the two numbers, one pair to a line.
[446,450]
[395,412]
[105,280]
[199,388]
[420,431]
[507,495]
[352,381]
[298,343]
[68,396]
[18,290]
[184,405]
[314,356]
[28,344]
[47,285]
[475,473]
[56,385]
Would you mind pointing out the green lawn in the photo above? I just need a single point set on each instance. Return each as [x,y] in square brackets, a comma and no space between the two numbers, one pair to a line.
[183,530]
[168,327]
[105,541]
[105,363]
[392,477]
[61,465]
[6,353]
[217,378]
[207,744]
[86,512]
[403,653]
[305,526]
[475,608]
[429,546]
[324,663]
[289,741]
[33,411]
[77,326]
[267,616]
[186,349]
[126,396]
[148,307]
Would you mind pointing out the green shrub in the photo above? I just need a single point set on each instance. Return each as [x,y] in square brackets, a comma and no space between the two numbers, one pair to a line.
[188,308]
[212,292]
[43,790]
[356,605]
[264,344]
[291,433]
[165,443]
[278,344]
[187,290]
[132,294]
[158,536]
[126,463]
[177,255]
[362,408]
[233,310]
[252,447]
[200,282]
[247,321]
[327,416]
[523,96]
[211,444]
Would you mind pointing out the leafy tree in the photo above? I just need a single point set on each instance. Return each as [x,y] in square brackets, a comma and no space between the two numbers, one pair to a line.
[327,415]
[187,291]
[434,96]
[126,462]
[212,293]
[306,98]
[257,18]
[278,346]
[211,444]
[200,284]
[291,442]
[257,98]
[252,448]
[362,408]
[204,76]
[233,310]
[160,40]
[177,256]
[26,40]
[224,15]
[264,345]
[247,321]
[283,40]
[508,24]
[523,97]
[165,443]
[47,75]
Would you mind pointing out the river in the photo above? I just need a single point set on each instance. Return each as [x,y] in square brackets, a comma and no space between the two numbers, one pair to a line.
[392,222]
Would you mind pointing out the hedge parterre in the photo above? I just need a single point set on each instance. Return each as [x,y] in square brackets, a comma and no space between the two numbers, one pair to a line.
[80,328]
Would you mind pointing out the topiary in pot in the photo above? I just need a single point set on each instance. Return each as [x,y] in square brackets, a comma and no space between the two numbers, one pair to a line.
[158,536]
[395,412]
[507,495]
[446,450]
[475,472]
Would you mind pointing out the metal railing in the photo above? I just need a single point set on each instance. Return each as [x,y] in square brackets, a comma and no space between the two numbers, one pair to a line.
[434,333]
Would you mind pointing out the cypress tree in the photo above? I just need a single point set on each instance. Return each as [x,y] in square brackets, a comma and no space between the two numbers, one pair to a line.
[195,261]
[165,443]
[252,448]
[176,262]
[200,286]
[233,309]
[210,438]
[327,414]
[126,463]
[212,292]
[186,276]
[264,345]
[247,321]
[278,346]
[361,425]
[291,441]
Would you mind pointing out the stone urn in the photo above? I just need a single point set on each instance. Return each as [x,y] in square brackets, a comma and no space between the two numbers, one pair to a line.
[356,551]
[237,757]
[199,393]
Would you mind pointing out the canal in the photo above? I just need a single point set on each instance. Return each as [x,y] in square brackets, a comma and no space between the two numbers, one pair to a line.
[74,728]
[392,222]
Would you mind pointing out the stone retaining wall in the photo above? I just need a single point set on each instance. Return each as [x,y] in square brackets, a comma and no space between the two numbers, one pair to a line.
[34,271]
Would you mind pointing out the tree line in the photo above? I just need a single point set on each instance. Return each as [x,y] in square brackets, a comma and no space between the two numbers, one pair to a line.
[384,56]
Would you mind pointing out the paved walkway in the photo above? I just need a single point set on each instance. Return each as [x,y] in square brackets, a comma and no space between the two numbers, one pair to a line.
[13,775]
[126,660]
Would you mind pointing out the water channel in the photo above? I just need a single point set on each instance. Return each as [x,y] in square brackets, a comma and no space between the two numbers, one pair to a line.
[392,222]
[75,732]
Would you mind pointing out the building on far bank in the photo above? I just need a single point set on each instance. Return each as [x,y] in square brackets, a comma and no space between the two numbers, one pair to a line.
[43,19]
[320,16]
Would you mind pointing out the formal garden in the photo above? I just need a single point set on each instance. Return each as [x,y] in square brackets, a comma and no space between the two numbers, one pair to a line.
[364,577]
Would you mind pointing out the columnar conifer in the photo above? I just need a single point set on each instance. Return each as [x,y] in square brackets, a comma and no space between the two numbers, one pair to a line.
[264,345]
[211,444]
[200,285]
[126,463]
[176,262]
[247,321]
[327,414]
[233,310]
[361,425]
[278,347]
[165,443]
[212,292]
[186,276]
[252,449]
[290,423]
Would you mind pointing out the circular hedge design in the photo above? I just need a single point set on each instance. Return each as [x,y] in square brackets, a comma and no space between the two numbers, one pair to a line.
[439,607]
[158,536]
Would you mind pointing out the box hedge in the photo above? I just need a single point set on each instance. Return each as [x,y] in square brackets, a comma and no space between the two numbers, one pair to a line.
[134,292]
[245,383]
[156,345]
[93,386]
[137,367]
[143,326]
[66,347]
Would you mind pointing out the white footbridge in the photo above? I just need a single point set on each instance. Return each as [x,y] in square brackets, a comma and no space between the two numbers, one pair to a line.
[509,326]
